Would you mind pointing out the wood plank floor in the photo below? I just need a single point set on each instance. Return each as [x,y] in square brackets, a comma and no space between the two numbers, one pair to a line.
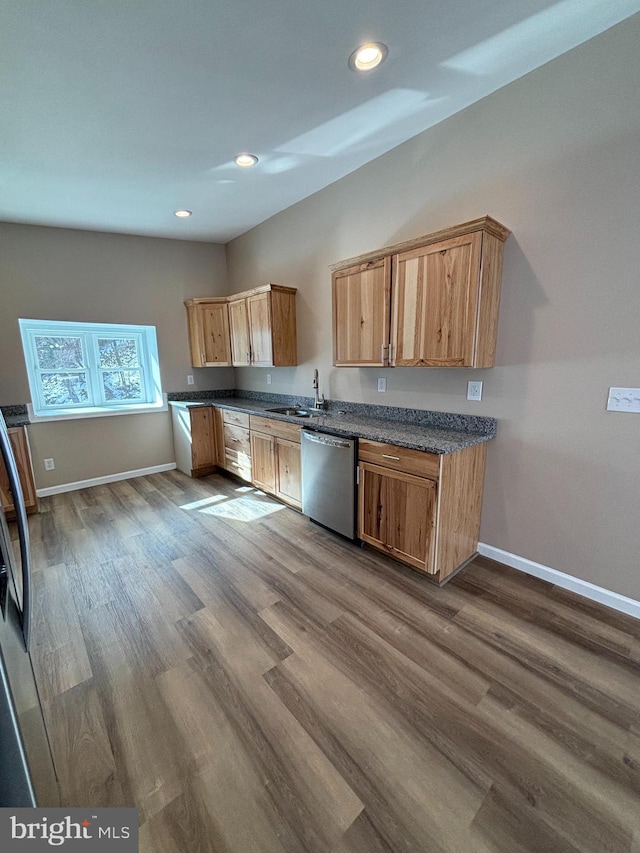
[252,683]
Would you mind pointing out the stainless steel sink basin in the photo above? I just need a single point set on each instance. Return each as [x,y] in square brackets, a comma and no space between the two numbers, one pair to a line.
[294,412]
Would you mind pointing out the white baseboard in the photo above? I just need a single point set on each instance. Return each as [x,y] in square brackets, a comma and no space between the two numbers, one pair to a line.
[584,588]
[100,481]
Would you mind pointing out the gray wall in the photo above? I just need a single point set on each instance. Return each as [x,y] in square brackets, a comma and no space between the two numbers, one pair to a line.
[555,157]
[60,274]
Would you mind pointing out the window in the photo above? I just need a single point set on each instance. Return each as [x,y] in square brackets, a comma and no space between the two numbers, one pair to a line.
[85,369]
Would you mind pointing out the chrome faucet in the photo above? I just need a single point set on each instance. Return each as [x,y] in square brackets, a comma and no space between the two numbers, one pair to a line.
[318,402]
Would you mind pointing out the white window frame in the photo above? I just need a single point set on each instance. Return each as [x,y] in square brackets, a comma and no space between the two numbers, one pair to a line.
[97,405]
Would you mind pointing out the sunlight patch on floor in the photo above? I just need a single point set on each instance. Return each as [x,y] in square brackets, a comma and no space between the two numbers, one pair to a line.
[248,506]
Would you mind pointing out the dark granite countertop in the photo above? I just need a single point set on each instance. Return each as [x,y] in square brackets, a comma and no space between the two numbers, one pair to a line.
[15,416]
[434,432]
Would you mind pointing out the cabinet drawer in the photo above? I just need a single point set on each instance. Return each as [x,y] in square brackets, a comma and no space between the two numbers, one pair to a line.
[416,462]
[237,439]
[281,429]
[238,464]
[229,416]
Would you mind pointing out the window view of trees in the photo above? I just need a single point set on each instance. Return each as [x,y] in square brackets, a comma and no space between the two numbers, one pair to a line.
[61,355]
[75,366]
[124,383]
[64,389]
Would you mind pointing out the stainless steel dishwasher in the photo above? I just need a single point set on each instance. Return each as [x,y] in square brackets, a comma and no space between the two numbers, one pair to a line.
[329,481]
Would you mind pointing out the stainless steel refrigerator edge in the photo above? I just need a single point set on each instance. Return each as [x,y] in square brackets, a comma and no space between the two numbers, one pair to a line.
[329,481]
[27,774]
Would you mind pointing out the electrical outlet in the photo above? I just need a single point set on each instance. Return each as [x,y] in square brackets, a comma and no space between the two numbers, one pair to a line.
[268,379]
[474,390]
[189,379]
[382,384]
[49,465]
[623,400]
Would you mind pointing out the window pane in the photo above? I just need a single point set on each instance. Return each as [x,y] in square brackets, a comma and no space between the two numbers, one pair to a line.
[63,389]
[118,352]
[122,385]
[59,353]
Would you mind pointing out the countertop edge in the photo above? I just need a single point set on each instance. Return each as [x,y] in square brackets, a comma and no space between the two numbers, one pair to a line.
[426,439]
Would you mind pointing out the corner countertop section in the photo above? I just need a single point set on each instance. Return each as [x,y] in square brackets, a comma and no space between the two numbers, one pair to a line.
[15,416]
[432,432]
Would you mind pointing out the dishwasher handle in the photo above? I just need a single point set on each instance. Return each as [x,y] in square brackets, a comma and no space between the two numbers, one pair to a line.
[328,440]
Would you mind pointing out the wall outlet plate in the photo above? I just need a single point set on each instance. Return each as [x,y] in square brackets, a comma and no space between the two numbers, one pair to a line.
[474,390]
[49,465]
[623,400]
[268,379]
[382,384]
[189,379]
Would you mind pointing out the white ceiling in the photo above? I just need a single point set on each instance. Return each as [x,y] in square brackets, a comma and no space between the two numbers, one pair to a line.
[113,113]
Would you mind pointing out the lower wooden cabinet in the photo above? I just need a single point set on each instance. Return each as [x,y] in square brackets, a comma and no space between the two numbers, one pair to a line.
[397,514]
[421,508]
[20,444]
[193,440]
[263,461]
[288,472]
[275,453]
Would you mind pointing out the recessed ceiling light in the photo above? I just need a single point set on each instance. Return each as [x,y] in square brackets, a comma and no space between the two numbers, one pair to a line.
[246,160]
[182,213]
[368,56]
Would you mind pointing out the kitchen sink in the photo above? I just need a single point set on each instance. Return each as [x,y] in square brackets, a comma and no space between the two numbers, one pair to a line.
[294,412]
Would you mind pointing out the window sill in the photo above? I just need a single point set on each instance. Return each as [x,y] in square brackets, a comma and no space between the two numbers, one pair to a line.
[97,412]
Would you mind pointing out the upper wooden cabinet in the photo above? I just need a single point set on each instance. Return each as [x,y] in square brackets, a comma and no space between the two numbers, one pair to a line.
[271,315]
[255,328]
[209,332]
[428,302]
[361,311]
[239,330]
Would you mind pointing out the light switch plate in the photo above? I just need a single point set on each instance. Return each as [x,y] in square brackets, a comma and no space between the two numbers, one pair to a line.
[623,400]
[474,390]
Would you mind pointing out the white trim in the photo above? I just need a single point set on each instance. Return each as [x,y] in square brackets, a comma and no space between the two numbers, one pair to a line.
[97,412]
[584,588]
[101,481]
[96,404]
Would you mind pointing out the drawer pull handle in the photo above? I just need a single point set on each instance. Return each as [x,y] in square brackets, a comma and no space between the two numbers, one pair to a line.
[386,456]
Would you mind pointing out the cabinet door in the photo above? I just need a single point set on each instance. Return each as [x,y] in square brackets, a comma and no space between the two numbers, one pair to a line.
[263,466]
[203,448]
[396,514]
[435,302]
[20,445]
[288,475]
[361,307]
[260,331]
[239,328]
[214,325]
